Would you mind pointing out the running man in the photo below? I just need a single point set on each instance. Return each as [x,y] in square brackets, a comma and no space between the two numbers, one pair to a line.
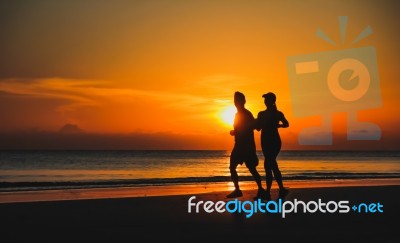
[244,149]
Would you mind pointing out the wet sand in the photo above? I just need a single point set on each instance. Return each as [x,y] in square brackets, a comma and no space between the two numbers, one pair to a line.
[128,219]
[170,190]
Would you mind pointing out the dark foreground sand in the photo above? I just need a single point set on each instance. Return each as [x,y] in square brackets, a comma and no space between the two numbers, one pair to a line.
[166,218]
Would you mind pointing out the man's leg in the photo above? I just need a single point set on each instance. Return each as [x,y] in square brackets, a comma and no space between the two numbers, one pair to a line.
[235,178]
[256,176]
[234,175]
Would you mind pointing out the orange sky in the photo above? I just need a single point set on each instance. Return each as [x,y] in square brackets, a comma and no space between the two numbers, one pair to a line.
[171,67]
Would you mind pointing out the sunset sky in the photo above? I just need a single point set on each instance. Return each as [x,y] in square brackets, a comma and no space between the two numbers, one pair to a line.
[160,74]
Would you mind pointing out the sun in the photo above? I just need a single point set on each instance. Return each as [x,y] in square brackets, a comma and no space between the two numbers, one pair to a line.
[228,115]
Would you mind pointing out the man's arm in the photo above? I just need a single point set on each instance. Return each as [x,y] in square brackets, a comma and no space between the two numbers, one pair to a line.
[257,123]
[233,132]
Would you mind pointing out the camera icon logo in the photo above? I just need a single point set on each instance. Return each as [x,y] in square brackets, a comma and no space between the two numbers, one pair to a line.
[324,83]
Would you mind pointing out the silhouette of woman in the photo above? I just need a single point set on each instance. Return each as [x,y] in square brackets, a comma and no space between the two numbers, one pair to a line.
[268,122]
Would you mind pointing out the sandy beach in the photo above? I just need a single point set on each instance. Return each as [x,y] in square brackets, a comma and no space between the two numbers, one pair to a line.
[167,217]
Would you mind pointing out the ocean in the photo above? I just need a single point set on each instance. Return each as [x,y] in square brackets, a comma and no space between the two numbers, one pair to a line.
[36,170]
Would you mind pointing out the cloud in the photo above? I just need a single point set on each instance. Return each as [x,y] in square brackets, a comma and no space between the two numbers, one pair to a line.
[34,139]
[37,139]
[102,106]
[89,92]
[91,102]
[70,129]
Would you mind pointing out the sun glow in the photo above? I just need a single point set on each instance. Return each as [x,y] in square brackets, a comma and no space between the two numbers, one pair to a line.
[228,115]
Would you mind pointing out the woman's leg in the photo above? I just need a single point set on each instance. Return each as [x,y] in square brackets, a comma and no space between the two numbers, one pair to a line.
[277,173]
[275,167]
[278,176]
[271,166]
[268,172]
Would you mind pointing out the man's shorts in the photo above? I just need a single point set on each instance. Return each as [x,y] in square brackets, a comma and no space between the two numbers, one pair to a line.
[248,156]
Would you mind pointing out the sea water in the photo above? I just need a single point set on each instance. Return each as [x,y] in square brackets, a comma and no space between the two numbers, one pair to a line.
[81,169]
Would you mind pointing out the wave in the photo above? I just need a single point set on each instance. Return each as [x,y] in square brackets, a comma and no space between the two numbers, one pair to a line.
[31,186]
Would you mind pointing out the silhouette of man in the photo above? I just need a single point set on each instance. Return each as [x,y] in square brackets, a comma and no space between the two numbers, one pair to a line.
[244,149]
[268,122]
